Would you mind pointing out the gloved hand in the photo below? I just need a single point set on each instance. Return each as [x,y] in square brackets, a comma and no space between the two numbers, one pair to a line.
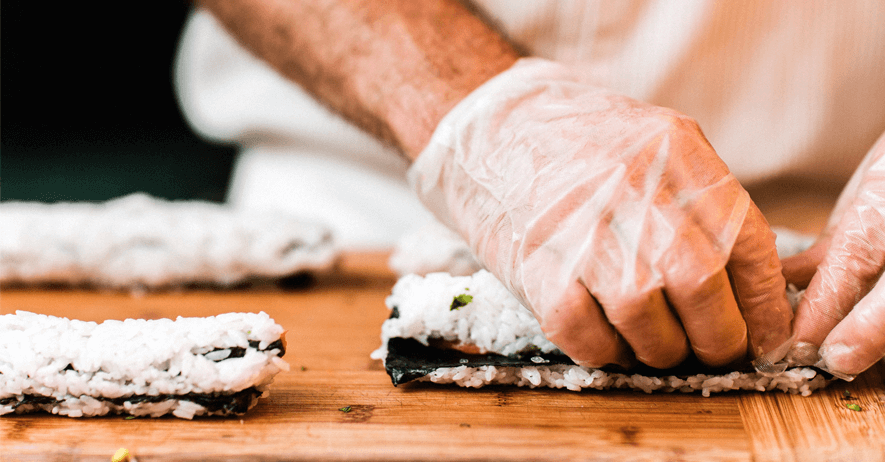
[840,322]
[614,221]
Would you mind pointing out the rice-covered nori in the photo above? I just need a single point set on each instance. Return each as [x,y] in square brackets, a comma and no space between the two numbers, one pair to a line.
[214,403]
[218,365]
[408,360]
[510,348]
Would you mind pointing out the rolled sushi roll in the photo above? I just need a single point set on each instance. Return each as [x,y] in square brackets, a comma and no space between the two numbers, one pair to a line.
[433,248]
[218,365]
[471,332]
[139,242]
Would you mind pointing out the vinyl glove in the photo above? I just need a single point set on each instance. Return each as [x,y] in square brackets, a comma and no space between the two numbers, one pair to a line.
[840,322]
[613,221]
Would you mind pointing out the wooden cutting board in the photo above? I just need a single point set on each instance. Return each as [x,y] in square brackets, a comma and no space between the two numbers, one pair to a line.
[335,324]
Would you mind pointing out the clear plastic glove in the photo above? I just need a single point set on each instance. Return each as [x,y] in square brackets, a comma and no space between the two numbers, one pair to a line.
[840,322]
[614,221]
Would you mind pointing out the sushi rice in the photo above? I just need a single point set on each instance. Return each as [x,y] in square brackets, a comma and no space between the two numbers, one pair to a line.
[217,365]
[495,322]
[141,243]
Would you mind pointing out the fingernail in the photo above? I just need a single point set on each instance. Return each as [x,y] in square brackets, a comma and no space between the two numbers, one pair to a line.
[775,360]
[834,359]
[803,354]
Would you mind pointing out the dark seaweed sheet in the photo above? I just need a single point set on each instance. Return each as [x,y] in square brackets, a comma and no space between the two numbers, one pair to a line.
[230,403]
[408,359]
[239,352]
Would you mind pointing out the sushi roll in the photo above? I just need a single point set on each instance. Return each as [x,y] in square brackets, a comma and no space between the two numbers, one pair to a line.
[470,331]
[141,243]
[217,365]
[432,248]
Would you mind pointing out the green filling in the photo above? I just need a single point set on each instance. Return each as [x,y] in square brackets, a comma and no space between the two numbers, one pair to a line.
[460,300]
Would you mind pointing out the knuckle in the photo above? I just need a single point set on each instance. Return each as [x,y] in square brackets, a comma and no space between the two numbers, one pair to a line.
[693,293]
[585,338]
[758,295]
[683,127]
[560,319]
[629,314]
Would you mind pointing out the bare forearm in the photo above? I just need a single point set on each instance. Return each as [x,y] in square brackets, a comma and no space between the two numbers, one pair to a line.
[394,68]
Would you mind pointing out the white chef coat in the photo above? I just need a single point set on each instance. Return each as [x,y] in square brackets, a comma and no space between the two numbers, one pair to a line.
[780,88]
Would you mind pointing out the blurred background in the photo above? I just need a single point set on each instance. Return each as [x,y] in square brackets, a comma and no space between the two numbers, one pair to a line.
[88,110]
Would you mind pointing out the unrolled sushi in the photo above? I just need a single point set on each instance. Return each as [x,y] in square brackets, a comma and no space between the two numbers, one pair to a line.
[470,331]
[217,365]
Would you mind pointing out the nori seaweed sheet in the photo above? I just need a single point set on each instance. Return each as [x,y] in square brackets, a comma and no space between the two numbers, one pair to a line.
[230,403]
[408,360]
[239,352]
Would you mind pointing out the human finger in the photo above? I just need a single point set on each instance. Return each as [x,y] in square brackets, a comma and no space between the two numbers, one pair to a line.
[710,316]
[650,328]
[800,268]
[853,261]
[850,269]
[858,341]
[577,325]
[759,285]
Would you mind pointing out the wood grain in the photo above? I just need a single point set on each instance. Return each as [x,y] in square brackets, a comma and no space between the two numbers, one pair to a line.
[822,427]
[335,324]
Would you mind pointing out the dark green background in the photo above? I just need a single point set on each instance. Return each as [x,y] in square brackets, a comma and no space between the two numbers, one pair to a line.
[88,110]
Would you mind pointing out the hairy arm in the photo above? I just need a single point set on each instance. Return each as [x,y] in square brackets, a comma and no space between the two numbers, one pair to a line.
[394,68]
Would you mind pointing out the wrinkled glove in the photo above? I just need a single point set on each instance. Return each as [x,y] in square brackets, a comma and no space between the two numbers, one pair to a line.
[614,221]
[840,322]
